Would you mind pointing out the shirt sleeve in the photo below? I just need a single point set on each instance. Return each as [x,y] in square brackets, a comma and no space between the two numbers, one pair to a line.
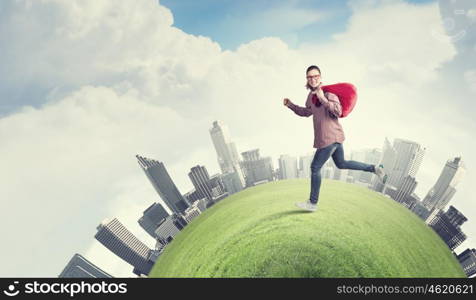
[301,111]
[332,104]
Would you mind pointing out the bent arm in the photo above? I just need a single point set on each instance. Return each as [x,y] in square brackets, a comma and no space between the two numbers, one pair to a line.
[301,111]
[331,103]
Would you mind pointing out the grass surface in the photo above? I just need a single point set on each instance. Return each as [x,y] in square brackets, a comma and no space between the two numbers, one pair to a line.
[260,233]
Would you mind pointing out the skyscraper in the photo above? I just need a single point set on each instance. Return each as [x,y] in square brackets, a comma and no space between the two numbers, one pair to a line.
[217,187]
[167,230]
[389,157]
[409,157]
[151,218]
[467,259]
[163,184]
[444,189]
[80,267]
[372,157]
[256,168]
[305,166]
[288,167]
[406,189]
[447,226]
[357,156]
[115,236]
[227,155]
[201,181]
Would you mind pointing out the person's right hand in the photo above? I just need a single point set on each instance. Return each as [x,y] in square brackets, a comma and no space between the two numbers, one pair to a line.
[286,101]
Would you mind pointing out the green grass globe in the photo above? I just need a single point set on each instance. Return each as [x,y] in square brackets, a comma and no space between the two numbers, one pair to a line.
[355,232]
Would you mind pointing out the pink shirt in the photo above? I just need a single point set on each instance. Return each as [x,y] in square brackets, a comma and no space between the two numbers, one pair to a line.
[327,129]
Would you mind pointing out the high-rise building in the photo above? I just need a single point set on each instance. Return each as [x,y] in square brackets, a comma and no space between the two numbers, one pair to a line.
[115,236]
[409,157]
[152,217]
[217,187]
[167,230]
[288,167]
[372,157]
[421,211]
[226,150]
[410,201]
[80,267]
[232,182]
[444,189]
[193,196]
[201,181]
[256,168]
[163,184]
[447,226]
[227,154]
[356,156]
[455,217]
[305,166]
[467,259]
[389,157]
[406,189]
[194,211]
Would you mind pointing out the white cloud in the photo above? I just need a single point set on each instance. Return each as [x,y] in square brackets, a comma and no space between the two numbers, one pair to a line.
[140,86]
[470,78]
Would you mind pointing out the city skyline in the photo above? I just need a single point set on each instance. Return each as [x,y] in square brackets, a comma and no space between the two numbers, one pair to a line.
[70,125]
[405,157]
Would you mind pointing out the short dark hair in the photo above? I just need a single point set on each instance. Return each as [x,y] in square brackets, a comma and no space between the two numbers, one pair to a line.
[313,67]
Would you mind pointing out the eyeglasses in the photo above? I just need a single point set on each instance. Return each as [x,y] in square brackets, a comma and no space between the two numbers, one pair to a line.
[313,77]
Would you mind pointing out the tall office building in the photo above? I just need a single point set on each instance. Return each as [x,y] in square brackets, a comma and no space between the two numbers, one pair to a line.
[201,181]
[447,226]
[232,182]
[410,201]
[356,156]
[407,187]
[409,158]
[421,211]
[227,153]
[193,196]
[217,187]
[467,259]
[80,267]
[444,189]
[389,157]
[163,184]
[305,166]
[168,229]
[152,217]
[115,236]
[257,169]
[288,167]
[372,157]
[455,217]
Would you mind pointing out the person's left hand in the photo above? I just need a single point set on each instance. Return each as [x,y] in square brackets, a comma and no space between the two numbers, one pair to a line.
[319,92]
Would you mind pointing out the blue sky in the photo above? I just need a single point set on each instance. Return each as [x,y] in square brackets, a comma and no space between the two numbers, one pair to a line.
[232,23]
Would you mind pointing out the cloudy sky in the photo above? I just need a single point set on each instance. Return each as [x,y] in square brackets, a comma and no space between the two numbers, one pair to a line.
[86,85]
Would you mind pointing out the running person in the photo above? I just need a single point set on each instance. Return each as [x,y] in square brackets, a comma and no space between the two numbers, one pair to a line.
[328,134]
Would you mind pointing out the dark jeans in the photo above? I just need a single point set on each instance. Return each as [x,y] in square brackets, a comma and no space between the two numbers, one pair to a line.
[320,158]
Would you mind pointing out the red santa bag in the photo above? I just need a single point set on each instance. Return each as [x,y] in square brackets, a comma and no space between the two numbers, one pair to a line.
[347,94]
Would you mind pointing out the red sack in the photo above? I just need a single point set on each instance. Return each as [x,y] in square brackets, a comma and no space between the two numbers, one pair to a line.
[347,94]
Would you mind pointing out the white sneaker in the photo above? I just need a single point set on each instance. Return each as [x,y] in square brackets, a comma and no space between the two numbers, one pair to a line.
[307,205]
[381,173]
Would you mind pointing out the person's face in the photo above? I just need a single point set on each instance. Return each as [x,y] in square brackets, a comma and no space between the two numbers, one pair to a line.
[313,78]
